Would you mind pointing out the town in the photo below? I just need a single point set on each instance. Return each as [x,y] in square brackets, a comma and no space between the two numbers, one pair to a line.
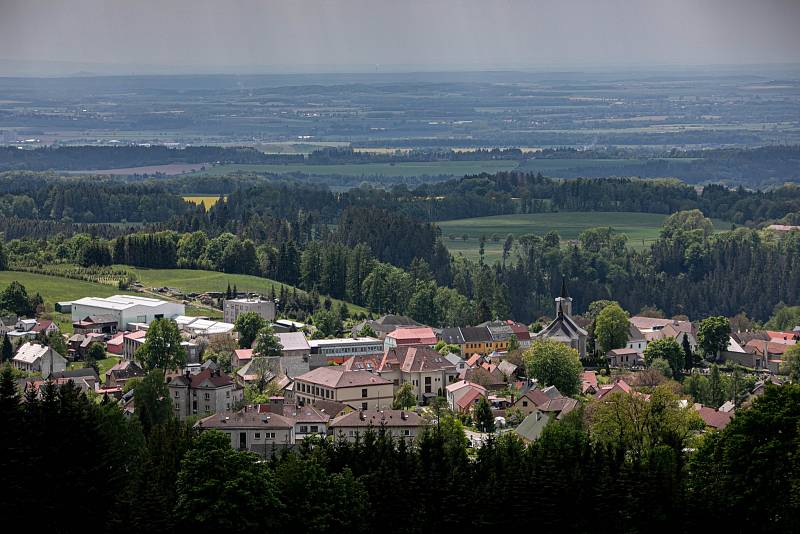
[400,267]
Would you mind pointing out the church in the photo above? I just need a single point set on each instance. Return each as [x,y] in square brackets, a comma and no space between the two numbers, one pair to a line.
[563,328]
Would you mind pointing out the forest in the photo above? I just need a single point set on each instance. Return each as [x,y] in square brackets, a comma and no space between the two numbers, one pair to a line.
[153,473]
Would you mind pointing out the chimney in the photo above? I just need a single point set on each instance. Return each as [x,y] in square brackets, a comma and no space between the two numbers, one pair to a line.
[361,415]
[403,415]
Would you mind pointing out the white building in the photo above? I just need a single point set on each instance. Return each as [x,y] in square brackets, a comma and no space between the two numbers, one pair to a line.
[126,309]
[34,357]
[234,307]
[325,351]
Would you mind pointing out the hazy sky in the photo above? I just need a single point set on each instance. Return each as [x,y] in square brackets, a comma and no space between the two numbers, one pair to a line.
[207,35]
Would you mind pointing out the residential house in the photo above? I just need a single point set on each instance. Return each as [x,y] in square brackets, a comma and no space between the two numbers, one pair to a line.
[653,328]
[241,357]
[308,420]
[8,323]
[123,371]
[530,401]
[204,393]
[589,385]
[636,340]
[358,389]
[399,424]
[533,425]
[422,336]
[563,328]
[85,378]
[78,344]
[250,429]
[425,369]
[96,324]
[458,390]
[116,344]
[33,357]
[625,357]
[716,419]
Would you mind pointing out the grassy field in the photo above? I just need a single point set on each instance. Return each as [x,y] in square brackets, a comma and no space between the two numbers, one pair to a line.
[201,281]
[554,165]
[641,229]
[103,365]
[206,200]
[405,169]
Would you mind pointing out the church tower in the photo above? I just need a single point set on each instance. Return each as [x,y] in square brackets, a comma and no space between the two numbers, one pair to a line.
[564,301]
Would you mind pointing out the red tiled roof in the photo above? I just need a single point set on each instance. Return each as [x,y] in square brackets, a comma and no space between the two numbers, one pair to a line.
[41,326]
[244,354]
[468,398]
[407,336]
[712,417]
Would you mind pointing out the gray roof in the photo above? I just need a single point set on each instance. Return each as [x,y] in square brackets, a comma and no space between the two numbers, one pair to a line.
[452,336]
[532,426]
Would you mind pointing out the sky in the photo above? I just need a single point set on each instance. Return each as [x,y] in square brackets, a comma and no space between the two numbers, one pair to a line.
[203,36]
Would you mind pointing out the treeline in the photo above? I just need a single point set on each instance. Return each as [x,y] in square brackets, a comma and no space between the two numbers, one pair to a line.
[86,200]
[763,167]
[68,158]
[153,474]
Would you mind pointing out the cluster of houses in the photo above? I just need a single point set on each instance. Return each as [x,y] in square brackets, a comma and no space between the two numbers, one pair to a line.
[343,386]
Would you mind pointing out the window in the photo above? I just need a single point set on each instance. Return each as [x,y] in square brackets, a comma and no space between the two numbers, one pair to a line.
[314,428]
[303,429]
[208,396]
[177,405]
[525,403]
[427,380]
[363,405]
[177,394]
[270,435]
[364,393]
[228,394]
[258,435]
[406,432]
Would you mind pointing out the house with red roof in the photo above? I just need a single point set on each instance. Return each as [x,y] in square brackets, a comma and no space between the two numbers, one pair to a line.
[713,418]
[422,336]
[457,390]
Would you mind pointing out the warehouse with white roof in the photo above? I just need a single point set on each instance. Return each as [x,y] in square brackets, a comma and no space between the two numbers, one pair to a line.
[126,309]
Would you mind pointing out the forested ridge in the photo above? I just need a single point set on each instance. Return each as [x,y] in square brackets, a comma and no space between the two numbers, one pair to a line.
[381,248]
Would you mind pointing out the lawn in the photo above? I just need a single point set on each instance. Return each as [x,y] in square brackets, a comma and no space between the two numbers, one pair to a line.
[641,228]
[201,281]
[404,169]
[103,365]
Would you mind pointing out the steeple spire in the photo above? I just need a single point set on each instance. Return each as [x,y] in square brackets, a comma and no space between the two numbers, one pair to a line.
[564,287]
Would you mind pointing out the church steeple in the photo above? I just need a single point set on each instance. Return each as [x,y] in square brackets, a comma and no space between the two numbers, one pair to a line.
[564,301]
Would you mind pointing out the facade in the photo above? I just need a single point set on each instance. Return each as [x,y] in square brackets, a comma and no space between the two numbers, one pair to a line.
[326,351]
[250,429]
[530,401]
[96,324]
[207,392]
[34,357]
[232,308]
[425,369]
[358,389]
[126,309]
[399,424]
[624,357]
[122,372]
[457,391]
